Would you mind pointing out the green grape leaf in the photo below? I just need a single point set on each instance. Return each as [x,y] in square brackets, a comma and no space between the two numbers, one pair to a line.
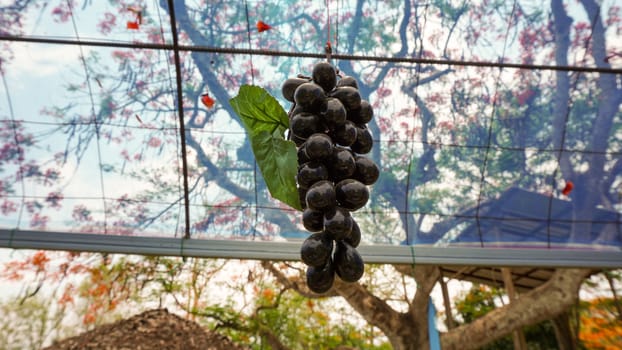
[259,111]
[277,160]
[265,122]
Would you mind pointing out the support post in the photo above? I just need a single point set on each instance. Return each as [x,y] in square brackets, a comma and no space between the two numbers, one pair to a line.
[447,303]
[517,335]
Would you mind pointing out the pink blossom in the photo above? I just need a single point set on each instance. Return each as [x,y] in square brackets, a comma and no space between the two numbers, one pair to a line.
[154,142]
[39,221]
[81,213]
[105,26]
[8,207]
[54,199]
[62,12]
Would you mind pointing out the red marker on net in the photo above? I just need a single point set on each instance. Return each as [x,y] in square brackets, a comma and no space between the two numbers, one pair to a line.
[568,188]
[139,18]
[207,101]
[262,26]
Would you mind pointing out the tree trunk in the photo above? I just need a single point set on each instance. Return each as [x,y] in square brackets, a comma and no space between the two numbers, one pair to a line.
[563,332]
[545,302]
[399,327]
[405,330]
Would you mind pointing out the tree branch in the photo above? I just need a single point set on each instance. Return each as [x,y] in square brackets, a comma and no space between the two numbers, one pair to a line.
[613,174]
[295,283]
[201,60]
[403,49]
[375,311]
[561,100]
[215,174]
[610,96]
[542,303]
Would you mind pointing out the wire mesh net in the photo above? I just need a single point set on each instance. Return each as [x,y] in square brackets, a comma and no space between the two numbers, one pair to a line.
[494,124]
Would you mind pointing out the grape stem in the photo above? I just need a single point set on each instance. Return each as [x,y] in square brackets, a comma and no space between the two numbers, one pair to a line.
[329,51]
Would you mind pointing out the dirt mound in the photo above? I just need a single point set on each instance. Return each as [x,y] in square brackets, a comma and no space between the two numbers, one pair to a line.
[151,330]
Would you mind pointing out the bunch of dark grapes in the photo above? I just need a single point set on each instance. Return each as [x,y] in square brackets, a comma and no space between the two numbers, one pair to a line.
[328,123]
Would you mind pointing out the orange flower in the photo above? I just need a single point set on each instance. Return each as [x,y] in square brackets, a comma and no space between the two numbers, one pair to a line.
[40,259]
[268,294]
[262,27]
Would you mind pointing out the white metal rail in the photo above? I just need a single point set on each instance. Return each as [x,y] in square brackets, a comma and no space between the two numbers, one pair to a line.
[259,250]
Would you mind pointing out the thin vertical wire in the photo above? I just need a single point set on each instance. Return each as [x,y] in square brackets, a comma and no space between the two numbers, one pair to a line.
[336,45]
[248,34]
[20,160]
[328,48]
[182,123]
[177,146]
[327,22]
[412,143]
[250,56]
[492,118]
[95,121]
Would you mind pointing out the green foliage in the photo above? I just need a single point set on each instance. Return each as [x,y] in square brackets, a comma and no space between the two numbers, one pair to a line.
[29,324]
[298,323]
[265,122]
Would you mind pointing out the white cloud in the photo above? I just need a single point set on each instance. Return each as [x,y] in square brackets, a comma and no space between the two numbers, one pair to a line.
[40,61]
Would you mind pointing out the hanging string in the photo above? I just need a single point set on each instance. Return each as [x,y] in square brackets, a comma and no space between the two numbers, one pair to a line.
[336,38]
[248,34]
[177,146]
[482,179]
[250,54]
[328,50]
[95,119]
[407,211]
[182,123]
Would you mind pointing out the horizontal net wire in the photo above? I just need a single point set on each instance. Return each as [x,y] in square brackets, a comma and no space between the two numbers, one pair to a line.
[478,132]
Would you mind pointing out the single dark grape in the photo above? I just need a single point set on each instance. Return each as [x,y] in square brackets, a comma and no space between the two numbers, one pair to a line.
[344,135]
[348,262]
[304,125]
[348,81]
[354,238]
[351,194]
[302,196]
[341,164]
[349,97]
[366,170]
[289,87]
[321,279]
[337,223]
[364,141]
[302,155]
[296,109]
[324,75]
[319,146]
[310,96]
[310,173]
[361,115]
[299,141]
[335,114]
[321,196]
[316,249]
[313,220]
